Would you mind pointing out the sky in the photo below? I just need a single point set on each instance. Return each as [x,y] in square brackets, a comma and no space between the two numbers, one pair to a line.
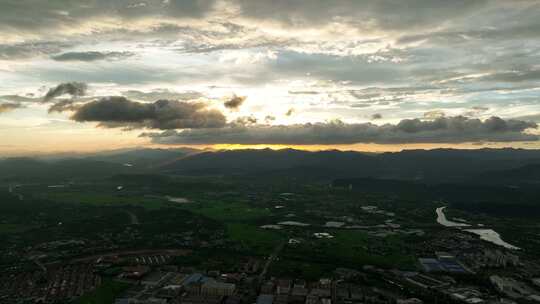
[370,75]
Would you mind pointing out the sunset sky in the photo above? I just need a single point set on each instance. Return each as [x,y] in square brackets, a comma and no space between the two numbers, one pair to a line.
[373,75]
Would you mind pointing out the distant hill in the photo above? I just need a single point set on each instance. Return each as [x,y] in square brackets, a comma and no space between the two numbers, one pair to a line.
[522,176]
[143,158]
[426,166]
[236,162]
[440,165]
[27,169]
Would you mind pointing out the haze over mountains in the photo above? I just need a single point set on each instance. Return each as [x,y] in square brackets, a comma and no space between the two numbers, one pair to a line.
[483,166]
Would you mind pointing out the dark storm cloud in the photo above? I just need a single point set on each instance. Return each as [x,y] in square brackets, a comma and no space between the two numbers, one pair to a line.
[118,111]
[74,89]
[92,56]
[234,102]
[6,107]
[441,130]
[63,105]
[376,116]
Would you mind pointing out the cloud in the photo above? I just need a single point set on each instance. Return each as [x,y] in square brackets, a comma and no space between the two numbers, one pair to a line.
[234,102]
[289,112]
[157,94]
[476,110]
[17,98]
[525,29]
[532,117]
[74,89]
[434,114]
[6,107]
[92,56]
[63,105]
[42,16]
[125,73]
[52,17]
[304,92]
[514,76]
[335,59]
[376,116]
[269,118]
[321,65]
[118,111]
[377,95]
[368,13]
[31,49]
[457,129]
[245,121]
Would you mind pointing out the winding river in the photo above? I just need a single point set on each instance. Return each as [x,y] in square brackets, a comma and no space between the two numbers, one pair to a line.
[488,235]
[441,219]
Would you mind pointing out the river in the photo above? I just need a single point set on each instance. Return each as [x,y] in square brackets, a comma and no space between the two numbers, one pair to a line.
[488,235]
[441,219]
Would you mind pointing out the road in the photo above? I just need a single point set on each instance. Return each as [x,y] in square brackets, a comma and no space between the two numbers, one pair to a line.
[270,259]
[133,218]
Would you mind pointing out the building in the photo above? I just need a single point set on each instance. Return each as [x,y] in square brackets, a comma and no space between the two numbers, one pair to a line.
[284,287]
[199,299]
[410,301]
[511,287]
[281,299]
[268,287]
[444,262]
[215,288]
[155,278]
[265,299]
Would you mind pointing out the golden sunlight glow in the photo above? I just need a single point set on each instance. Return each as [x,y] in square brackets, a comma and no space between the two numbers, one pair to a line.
[377,148]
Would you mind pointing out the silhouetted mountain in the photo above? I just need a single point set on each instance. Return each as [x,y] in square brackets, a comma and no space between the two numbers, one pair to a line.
[451,165]
[481,198]
[236,162]
[427,166]
[441,165]
[27,169]
[143,158]
[528,175]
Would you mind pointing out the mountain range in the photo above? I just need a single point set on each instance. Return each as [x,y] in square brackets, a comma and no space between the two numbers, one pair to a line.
[502,166]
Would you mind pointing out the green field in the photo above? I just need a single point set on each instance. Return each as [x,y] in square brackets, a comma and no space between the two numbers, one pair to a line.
[258,240]
[227,211]
[294,268]
[351,249]
[13,228]
[103,199]
[352,245]
[104,294]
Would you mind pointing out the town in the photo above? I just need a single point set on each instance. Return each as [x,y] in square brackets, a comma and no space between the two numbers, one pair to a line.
[256,246]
